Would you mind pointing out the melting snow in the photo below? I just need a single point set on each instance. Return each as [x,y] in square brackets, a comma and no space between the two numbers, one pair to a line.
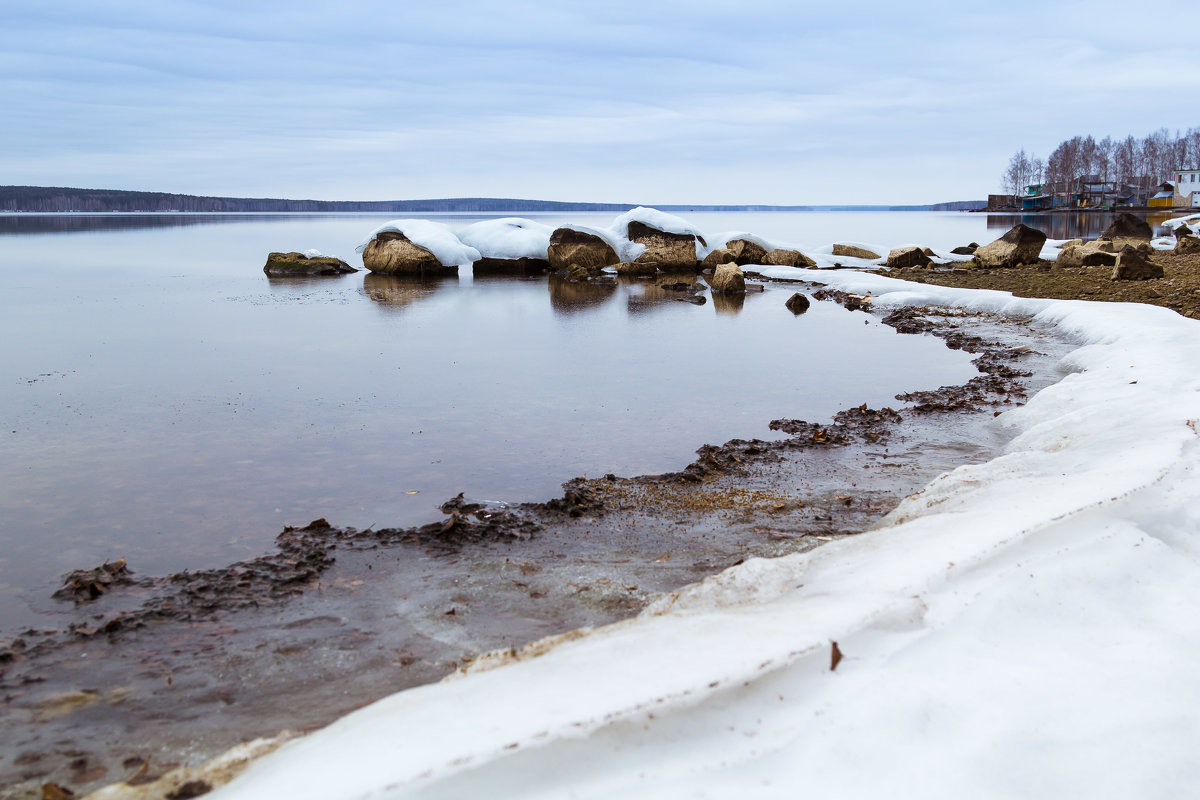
[1022,627]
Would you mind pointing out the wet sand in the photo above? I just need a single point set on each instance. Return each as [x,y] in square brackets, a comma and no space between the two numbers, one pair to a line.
[158,672]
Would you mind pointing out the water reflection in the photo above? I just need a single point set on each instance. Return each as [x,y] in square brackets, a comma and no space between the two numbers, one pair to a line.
[567,296]
[285,282]
[395,291]
[728,303]
[646,293]
[22,224]
[1068,224]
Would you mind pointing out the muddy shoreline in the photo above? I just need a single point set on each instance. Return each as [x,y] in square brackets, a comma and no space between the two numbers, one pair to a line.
[159,672]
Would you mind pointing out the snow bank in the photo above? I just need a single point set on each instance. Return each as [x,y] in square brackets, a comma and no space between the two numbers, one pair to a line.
[435,237]
[1191,220]
[508,237]
[668,223]
[1022,627]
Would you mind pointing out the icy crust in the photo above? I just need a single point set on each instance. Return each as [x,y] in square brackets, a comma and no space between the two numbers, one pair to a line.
[508,238]
[435,237]
[1022,627]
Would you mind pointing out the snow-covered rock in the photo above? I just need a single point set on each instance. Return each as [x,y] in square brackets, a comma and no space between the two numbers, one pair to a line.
[400,252]
[580,246]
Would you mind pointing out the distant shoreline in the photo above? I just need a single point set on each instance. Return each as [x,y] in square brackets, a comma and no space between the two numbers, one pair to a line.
[65,200]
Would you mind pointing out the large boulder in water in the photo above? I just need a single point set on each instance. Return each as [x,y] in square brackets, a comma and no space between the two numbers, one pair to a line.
[1021,245]
[728,279]
[911,256]
[782,257]
[1127,226]
[669,252]
[569,247]
[391,252]
[1134,265]
[285,265]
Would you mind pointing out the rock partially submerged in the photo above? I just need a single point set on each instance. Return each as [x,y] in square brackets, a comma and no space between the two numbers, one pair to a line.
[392,252]
[86,585]
[1021,245]
[293,264]
[797,303]
[1134,265]
[966,249]
[728,279]
[570,247]
[668,252]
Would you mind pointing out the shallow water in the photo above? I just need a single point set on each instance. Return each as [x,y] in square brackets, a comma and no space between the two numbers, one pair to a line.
[163,401]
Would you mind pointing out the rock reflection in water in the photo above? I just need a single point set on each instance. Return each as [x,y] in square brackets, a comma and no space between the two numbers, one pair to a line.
[1068,224]
[401,290]
[653,291]
[728,303]
[567,296]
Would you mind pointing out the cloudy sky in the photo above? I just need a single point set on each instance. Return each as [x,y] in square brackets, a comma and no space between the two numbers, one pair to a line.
[753,101]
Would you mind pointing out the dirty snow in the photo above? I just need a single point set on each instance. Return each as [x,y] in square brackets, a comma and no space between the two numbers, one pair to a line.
[1025,627]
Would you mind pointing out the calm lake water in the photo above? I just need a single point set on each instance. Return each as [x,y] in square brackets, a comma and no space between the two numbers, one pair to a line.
[161,400]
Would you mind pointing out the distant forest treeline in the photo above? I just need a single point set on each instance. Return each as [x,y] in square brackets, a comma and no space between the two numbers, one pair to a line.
[43,199]
[1142,163]
[58,199]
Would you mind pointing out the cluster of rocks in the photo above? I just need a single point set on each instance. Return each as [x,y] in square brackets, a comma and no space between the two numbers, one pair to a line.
[1124,246]
[1186,241]
[580,255]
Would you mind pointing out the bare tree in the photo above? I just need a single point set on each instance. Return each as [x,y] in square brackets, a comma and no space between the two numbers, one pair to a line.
[1016,175]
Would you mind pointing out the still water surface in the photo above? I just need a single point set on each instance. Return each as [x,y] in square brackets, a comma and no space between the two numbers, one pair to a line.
[163,401]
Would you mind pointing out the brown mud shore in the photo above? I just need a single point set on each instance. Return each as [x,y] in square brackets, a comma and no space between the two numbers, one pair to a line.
[161,672]
[1178,289]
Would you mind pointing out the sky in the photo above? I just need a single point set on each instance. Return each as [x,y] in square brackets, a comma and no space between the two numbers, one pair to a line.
[749,102]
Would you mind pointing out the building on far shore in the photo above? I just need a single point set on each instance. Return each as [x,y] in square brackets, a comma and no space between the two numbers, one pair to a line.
[1187,189]
[1164,198]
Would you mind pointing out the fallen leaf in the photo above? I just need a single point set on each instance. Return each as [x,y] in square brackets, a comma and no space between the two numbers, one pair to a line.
[835,657]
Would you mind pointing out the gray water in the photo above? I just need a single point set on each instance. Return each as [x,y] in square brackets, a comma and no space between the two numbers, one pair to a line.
[162,401]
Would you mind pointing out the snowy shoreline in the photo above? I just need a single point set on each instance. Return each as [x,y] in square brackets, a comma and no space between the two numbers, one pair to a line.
[1022,626]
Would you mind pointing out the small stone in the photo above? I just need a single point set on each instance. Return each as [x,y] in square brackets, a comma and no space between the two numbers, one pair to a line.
[798,303]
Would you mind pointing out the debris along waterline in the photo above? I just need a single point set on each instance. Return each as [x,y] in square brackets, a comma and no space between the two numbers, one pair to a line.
[347,616]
